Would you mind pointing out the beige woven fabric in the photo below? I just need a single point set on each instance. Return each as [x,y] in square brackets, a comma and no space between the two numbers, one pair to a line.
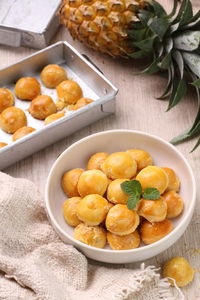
[36,265]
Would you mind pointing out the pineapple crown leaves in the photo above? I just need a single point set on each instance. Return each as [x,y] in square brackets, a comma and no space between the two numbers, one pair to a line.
[173,42]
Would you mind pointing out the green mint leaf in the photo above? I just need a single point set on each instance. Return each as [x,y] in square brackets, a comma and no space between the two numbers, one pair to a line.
[132,201]
[151,194]
[132,187]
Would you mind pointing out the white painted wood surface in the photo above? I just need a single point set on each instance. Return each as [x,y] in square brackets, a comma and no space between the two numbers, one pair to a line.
[136,109]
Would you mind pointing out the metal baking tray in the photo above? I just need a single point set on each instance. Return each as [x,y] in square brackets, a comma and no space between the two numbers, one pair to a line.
[93,83]
[29,23]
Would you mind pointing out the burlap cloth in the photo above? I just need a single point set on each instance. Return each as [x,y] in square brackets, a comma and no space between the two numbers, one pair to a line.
[36,265]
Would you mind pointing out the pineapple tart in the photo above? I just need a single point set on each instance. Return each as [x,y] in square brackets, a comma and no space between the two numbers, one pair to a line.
[21,132]
[174,182]
[92,182]
[6,99]
[96,160]
[153,232]
[153,210]
[53,118]
[91,235]
[92,209]
[27,88]
[153,177]
[69,182]
[121,220]
[180,270]
[123,242]
[41,107]
[81,103]
[115,193]
[119,165]
[11,119]
[174,204]
[52,75]
[69,211]
[142,158]
[68,92]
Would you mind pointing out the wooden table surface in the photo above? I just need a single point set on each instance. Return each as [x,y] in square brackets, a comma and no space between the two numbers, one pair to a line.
[136,109]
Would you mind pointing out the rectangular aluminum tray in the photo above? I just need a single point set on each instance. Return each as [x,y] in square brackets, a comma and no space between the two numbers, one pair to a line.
[30,23]
[93,83]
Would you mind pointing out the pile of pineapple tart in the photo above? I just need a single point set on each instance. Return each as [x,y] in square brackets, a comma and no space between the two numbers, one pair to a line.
[42,107]
[100,210]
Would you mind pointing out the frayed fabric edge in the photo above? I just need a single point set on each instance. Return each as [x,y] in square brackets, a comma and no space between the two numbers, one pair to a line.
[147,274]
[164,284]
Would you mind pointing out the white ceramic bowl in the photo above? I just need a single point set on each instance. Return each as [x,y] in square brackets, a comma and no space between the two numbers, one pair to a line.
[76,156]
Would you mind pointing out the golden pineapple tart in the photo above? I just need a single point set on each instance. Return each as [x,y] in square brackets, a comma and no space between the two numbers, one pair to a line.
[53,117]
[12,118]
[69,211]
[27,88]
[21,132]
[96,160]
[174,204]
[69,182]
[52,75]
[81,103]
[92,182]
[41,107]
[153,232]
[6,99]
[3,144]
[115,193]
[91,235]
[153,177]
[68,92]
[142,158]
[152,210]
[92,209]
[179,269]
[119,165]
[123,242]
[121,221]
[174,182]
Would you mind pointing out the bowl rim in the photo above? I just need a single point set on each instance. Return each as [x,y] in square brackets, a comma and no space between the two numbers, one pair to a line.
[135,250]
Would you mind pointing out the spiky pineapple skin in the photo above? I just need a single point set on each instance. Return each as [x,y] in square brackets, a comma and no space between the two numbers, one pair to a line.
[101,24]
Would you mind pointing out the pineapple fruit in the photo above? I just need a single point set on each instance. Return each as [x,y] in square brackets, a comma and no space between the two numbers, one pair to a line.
[142,28]
[102,25]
